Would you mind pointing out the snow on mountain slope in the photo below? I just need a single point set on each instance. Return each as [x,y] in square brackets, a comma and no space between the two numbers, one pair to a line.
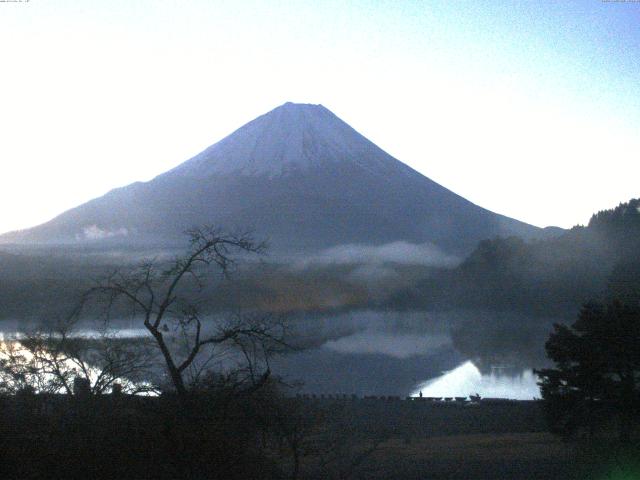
[297,175]
[291,138]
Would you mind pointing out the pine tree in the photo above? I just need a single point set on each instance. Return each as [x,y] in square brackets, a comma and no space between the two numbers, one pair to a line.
[597,370]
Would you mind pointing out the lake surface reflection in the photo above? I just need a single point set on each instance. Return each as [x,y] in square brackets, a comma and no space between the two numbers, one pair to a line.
[376,356]
[467,380]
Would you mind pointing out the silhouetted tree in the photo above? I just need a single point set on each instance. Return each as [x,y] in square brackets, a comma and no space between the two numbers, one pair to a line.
[167,301]
[597,371]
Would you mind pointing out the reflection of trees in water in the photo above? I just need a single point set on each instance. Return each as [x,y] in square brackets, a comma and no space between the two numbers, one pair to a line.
[53,360]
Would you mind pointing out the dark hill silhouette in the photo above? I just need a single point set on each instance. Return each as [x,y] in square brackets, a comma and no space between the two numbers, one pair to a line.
[553,276]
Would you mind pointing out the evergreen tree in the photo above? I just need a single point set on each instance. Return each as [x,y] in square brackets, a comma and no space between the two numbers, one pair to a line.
[597,370]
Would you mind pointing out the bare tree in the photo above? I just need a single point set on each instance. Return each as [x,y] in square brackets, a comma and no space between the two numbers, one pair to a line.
[51,359]
[168,302]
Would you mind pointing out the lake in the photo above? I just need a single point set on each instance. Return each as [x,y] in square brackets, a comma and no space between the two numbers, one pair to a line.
[380,354]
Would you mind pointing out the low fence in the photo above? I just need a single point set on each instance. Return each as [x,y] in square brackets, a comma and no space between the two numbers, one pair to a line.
[471,400]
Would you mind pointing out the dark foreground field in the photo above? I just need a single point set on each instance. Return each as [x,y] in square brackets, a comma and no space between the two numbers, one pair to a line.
[500,456]
[474,456]
[490,440]
[266,436]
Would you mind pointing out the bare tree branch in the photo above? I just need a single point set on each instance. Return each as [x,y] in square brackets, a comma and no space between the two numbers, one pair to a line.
[169,297]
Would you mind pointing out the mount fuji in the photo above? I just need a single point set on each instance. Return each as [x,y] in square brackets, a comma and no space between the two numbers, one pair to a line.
[297,175]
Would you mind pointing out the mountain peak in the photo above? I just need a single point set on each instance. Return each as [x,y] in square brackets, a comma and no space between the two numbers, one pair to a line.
[291,137]
[298,175]
[294,105]
[289,114]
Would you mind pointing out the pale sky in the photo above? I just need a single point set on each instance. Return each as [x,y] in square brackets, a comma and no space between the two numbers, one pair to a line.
[527,108]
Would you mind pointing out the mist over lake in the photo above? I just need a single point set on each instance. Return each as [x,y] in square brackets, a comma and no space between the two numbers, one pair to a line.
[370,353]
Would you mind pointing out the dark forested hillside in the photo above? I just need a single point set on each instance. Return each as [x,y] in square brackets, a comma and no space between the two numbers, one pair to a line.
[544,277]
[511,292]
